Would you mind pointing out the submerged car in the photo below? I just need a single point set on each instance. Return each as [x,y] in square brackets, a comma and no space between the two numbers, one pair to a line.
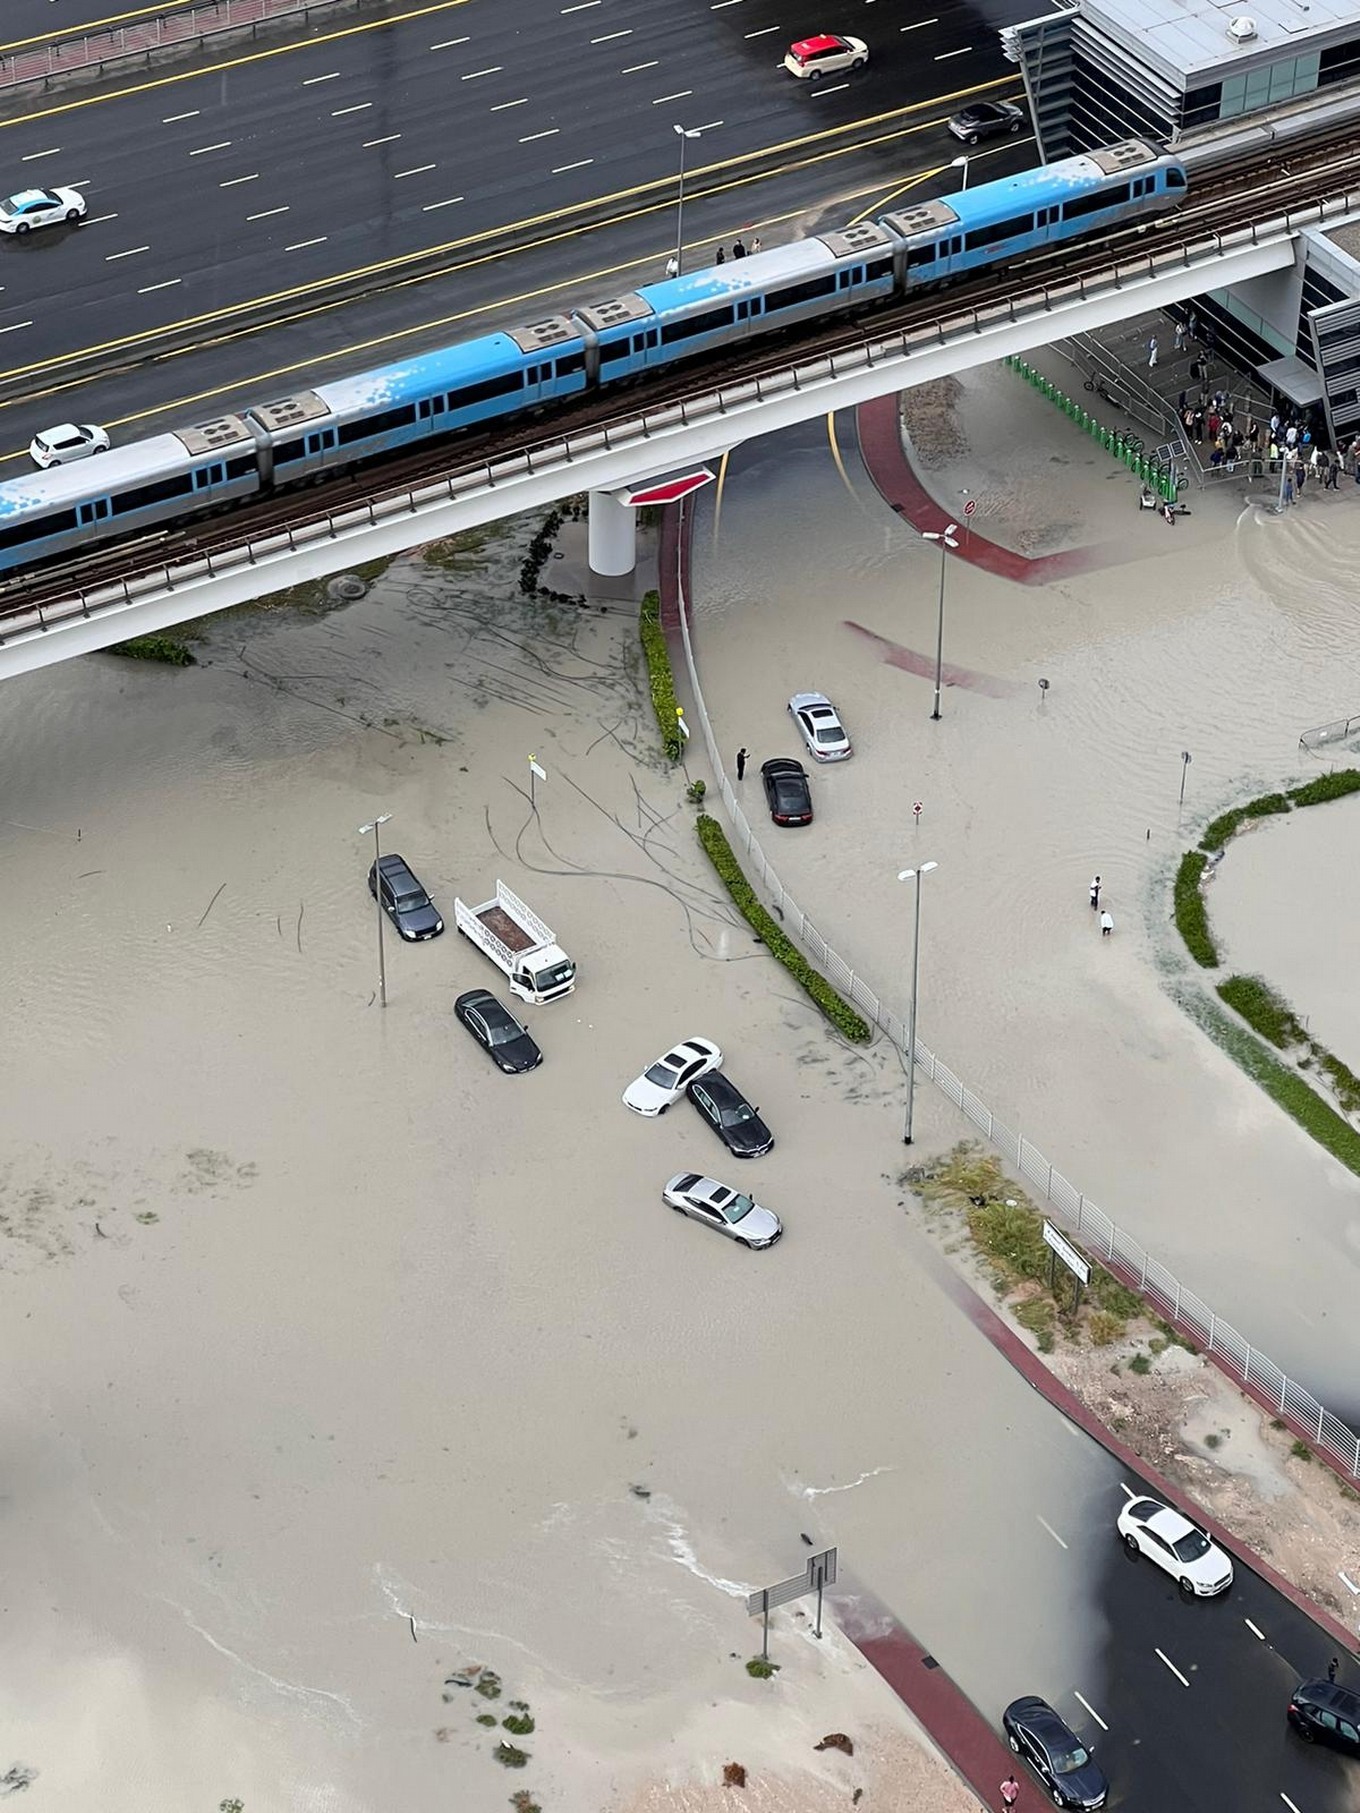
[820,726]
[393,884]
[509,1045]
[662,1084]
[786,791]
[737,1124]
[68,441]
[40,208]
[1057,1756]
[1180,1548]
[825,55]
[718,1206]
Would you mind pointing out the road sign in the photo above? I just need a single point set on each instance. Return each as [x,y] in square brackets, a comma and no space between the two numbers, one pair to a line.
[970,506]
[681,725]
[668,490]
[821,1572]
[534,768]
[1065,1251]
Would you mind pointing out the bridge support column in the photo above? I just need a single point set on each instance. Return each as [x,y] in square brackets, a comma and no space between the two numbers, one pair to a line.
[612,536]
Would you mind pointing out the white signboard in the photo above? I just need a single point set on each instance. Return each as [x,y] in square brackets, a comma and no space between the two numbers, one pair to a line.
[1069,1255]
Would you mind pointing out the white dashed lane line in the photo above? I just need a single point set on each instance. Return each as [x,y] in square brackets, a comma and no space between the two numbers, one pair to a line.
[504,106]
[681,95]
[132,252]
[369,143]
[1255,1629]
[635,68]
[269,213]
[582,6]
[474,74]
[170,118]
[14,327]
[945,55]
[1091,1709]
[1163,1657]
[151,288]
[918,24]
[718,5]
[610,36]
[448,43]
[549,132]
[415,170]
[223,144]
[430,206]
[1289,1803]
[764,32]
[300,245]
[1053,1533]
[32,157]
[233,182]
[561,169]
[97,220]
[311,81]
[821,88]
[358,107]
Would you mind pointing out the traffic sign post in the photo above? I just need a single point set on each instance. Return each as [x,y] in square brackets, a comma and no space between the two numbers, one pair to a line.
[535,773]
[1060,1248]
[821,1572]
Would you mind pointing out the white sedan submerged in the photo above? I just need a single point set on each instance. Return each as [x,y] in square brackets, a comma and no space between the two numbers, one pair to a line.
[718,1206]
[662,1084]
[820,726]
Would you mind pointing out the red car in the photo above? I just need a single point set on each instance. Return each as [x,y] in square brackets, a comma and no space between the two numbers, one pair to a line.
[813,58]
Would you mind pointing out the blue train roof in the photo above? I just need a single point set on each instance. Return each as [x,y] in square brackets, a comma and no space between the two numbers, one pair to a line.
[1047,186]
[140,462]
[738,276]
[424,375]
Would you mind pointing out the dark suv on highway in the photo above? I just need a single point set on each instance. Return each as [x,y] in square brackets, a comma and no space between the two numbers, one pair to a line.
[1323,1713]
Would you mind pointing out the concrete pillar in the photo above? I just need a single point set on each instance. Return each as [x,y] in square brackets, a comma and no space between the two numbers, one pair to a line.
[612,536]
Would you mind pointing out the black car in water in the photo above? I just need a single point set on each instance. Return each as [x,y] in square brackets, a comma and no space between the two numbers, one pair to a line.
[737,1124]
[1323,1713]
[497,1031]
[407,905]
[1055,1753]
[986,119]
[786,791]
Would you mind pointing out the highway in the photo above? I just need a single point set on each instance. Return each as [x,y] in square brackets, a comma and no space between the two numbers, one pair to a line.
[462,125]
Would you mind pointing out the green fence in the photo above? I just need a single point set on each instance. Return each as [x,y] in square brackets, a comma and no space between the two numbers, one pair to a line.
[1154,473]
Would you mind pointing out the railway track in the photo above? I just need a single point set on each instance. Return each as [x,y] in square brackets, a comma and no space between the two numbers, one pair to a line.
[1226,200]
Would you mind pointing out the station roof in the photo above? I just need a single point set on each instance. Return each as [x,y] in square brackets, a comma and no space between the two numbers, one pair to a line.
[1189,38]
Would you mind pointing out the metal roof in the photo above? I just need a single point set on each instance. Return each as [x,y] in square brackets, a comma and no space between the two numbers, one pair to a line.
[1189,41]
[140,461]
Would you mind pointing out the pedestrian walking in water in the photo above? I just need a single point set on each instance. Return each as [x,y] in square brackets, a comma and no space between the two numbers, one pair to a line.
[1010,1791]
[1106,925]
[1332,1667]
[742,758]
[738,249]
[722,256]
[1095,893]
[1152,353]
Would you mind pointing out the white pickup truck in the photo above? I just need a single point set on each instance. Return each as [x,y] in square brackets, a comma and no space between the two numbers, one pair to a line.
[517,941]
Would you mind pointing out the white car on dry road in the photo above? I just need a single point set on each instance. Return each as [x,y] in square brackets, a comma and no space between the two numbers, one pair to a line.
[662,1084]
[1180,1548]
[67,442]
[730,1211]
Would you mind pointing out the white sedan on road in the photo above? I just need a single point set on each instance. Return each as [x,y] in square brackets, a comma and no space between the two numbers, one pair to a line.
[718,1206]
[40,208]
[663,1083]
[1180,1548]
[69,441]
[820,726]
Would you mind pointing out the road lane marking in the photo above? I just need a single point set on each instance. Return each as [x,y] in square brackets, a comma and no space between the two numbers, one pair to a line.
[633,68]
[549,132]
[269,213]
[1128,1491]
[945,55]
[501,106]
[132,252]
[98,219]
[1091,1709]
[764,32]
[391,139]
[300,245]
[358,107]
[33,156]
[448,43]
[150,288]
[472,75]
[610,36]
[820,89]
[1053,1533]
[430,206]
[561,169]
[1172,1666]
[582,6]
[680,95]
[919,23]
[416,170]
[232,181]
[1289,1803]
[192,114]
[222,144]
[311,81]
[1255,1629]
[14,327]
[718,5]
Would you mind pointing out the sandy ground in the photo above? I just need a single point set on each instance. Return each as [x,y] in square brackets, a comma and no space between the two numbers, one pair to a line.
[1228,638]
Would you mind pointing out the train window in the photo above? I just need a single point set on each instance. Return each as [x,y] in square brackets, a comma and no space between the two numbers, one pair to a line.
[210,475]
[712,321]
[142,497]
[429,406]
[484,392]
[60,522]
[241,466]
[881,267]
[287,450]
[999,230]
[919,255]
[616,349]
[1094,204]
[383,423]
[798,293]
[570,362]
[1175,179]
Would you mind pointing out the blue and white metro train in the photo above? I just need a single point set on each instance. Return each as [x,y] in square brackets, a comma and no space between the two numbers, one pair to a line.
[271,446]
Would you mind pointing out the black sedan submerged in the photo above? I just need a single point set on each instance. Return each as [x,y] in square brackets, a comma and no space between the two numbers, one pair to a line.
[737,1124]
[786,791]
[507,1043]
[1055,1753]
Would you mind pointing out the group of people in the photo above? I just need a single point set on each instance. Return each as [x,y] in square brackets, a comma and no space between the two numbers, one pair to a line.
[739,250]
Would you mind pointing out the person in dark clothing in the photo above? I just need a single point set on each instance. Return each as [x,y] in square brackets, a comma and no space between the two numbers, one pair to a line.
[722,256]
[1333,471]
[738,249]
[743,756]
[1332,1667]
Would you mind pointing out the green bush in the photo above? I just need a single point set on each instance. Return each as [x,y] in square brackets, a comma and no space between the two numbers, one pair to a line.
[1266,806]
[1192,921]
[659,675]
[1262,1008]
[720,853]
[1221,829]
[167,649]
[1343,1079]
[1325,787]
[761,1669]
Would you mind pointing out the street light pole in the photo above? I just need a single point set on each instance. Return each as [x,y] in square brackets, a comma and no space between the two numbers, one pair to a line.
[1186,759]
[948,540]
[960,163]
[684,133]
[914,875]
[364,830]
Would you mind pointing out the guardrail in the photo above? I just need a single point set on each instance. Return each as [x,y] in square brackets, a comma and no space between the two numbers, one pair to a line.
[22,65]
[1336,732]
[1118,1251]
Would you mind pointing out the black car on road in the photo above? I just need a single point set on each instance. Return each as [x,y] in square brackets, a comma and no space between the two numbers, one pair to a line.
[786,791]
[402,898]
[1055,1753]
[987,119]
[495,1028]
[737,1124]
[1323,1713]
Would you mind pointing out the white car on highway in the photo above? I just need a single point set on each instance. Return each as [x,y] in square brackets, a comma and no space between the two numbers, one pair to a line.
[718,1206]
[1180,1548]
[820,726]
[40,208]
[69,441]
[662,1084]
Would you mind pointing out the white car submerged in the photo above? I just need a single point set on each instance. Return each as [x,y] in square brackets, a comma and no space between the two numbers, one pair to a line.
[718,1206]
[820,726]
[662,1084]
[1180,1548]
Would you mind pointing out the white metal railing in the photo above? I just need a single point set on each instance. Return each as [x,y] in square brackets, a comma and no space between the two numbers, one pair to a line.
[1102,1238]
[42,62]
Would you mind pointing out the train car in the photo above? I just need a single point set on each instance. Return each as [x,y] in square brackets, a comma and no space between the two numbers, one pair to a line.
[377,412]
[996,221]
[723,304]
[68,509]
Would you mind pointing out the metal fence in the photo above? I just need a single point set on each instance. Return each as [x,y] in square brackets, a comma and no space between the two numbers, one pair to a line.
[1338,732]
[1120,1254]
[85,52]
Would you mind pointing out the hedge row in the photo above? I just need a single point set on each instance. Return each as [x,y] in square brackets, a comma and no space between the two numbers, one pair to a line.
[1327,786]
[659,675]
[1192,921]
[838,1010]
[167,649]
[1262,1008]
[1227,826]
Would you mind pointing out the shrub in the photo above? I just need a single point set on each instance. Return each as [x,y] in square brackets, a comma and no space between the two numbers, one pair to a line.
[1192,921]
[511,1755]
[1262,1008]
[1268,804]
[1300,1450]
[720,853]
[1325,787]
[1344,1081]
[1040,1318]
[519,1724]
[167,649]
[659,676]
[1141,1363]
[761,1670]
[1221,829]
[1106,1328]
[1108,1294]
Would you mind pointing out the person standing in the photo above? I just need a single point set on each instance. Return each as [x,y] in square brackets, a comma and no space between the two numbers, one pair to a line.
[1152,353]
[743,756]
[1010,1791]
[722,256]
[755,245]
[1332,1667]
[1106,924]
[1180,335]
[672,266]
[1095,893]
[738,249]
[1333,471]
